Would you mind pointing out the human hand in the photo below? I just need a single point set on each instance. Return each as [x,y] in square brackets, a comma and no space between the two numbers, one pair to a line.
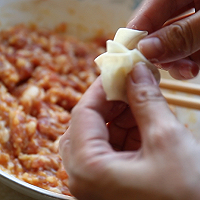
[175,47]
[164,166]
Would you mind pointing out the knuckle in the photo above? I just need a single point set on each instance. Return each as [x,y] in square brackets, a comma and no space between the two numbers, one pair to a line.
[180,38]
[147,94]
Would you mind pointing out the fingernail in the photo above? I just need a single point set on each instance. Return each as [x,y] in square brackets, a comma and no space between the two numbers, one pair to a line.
[141,74]
[151,48]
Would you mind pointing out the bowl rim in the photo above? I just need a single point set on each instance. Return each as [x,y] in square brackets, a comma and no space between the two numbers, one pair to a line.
[29,189]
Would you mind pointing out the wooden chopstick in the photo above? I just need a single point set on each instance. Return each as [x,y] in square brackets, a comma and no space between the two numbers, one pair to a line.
[181,100]
[180,86]
[171,21]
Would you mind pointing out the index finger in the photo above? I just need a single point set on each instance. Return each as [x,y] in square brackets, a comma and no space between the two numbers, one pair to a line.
[154,13]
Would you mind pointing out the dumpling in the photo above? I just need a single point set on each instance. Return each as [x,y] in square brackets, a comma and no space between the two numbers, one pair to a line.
[129,37]
[119,60]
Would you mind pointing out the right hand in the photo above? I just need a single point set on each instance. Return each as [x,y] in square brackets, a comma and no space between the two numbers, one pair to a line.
[165,166]
[176,47]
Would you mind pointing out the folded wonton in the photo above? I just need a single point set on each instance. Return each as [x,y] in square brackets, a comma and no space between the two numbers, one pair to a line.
[119,60]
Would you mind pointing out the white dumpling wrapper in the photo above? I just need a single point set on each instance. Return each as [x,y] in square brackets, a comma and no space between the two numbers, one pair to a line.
[118,61]
[129,37]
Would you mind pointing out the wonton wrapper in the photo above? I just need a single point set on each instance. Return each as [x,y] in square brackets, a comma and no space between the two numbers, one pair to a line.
[118,61]
[129,37]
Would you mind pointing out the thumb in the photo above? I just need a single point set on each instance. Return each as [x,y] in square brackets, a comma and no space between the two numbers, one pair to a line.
[173,42]
[148,105]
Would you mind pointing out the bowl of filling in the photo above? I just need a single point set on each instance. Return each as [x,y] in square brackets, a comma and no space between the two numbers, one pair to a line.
[47,52]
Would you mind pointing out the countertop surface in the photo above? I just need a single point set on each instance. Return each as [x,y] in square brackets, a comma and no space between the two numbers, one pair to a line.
[7,193]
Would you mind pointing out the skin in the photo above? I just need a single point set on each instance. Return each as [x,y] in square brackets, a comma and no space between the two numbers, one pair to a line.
[175,47]
[140,151]
[137,152]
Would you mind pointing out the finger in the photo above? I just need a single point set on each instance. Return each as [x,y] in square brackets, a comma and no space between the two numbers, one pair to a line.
[125,119]
[196,57]
[117,136]
[133,140]
[173,42]
[179,17]
[88,123]
[183,69]
[186,9]
[123,132]
[119,128]
[149,107]
[95,98]
[197,5]
[154,13]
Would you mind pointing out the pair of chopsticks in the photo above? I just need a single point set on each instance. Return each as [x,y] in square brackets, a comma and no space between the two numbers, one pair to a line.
[184,87]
